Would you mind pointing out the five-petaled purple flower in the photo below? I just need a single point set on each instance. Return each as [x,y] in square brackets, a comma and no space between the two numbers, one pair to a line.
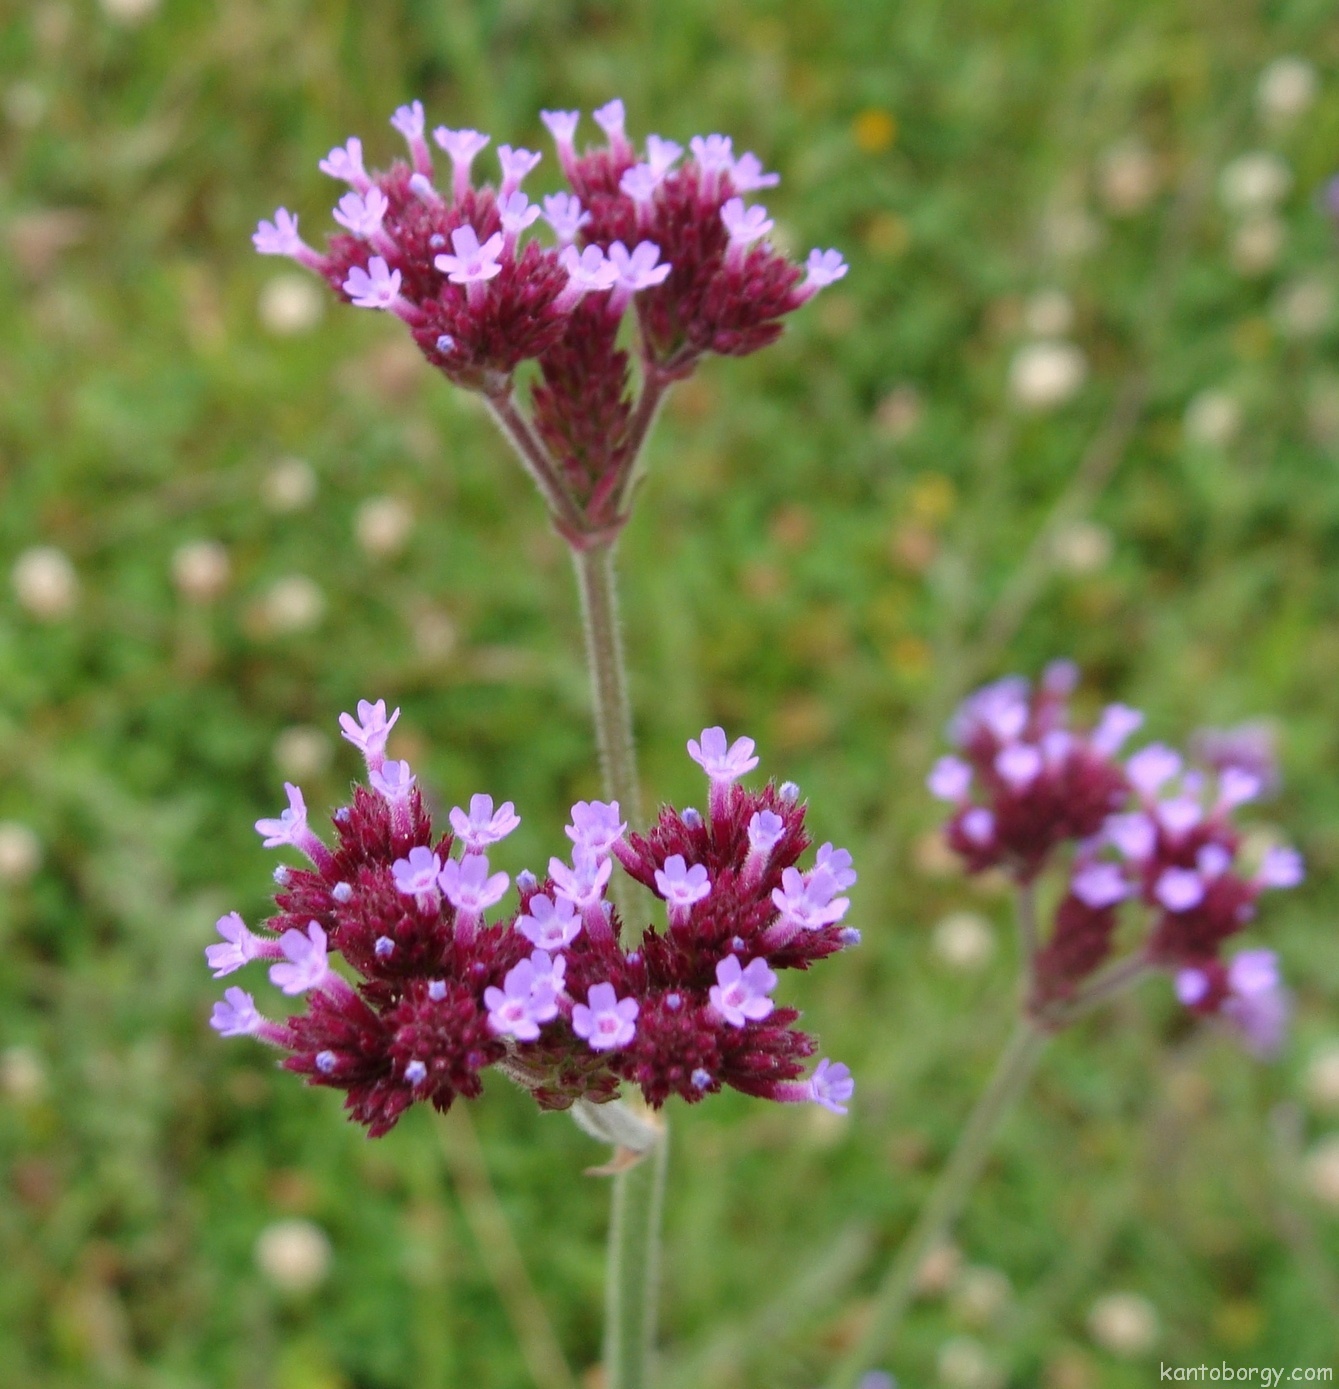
[483,825]
[608,1022]
[741,995]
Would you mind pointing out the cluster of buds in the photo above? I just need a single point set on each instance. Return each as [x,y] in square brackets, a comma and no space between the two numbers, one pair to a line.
[1145,834]
[668,235]
[549,991]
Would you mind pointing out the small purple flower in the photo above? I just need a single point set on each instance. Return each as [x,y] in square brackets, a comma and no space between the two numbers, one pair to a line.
[640,268]
[681,886]
[562,125]
[950,779]
[640,184]
[235,1015]
[306,962]
[610,118]
[393,781]
[1236,786]
[740,995]
[661,155]
[461,147]
[469,887]
[1281,867]
[563,212]
[748,176]
[472,263]
[1212,861]
[345,162]
[1135,835]
[1179,889]
[811,904]
[483,825]
[978,825]
[1018,765]
[410,121]
[588,272]
[368,733]
[1151,767]
[1179,815]
[831,1085]
[516,213]
[714,153]
[518,1008]
[280,238]
[823,268]
[837,862]
[745,224]
[516,164]
[1192,986]
[583,884]
[417,875]
[240,948]
[415,1073]
[1000,707]
[548,924]
[363,213]
[596,826]
[550,975]
[1099,885]
[608,1022]
[1117,723]
[765,831]
[377,287]
[291,826]
[722,763]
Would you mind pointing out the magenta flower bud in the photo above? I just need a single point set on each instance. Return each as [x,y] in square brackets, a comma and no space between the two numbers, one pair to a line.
[345,162]
[369,732]
[461,146]
[483,825]
[740,995]
[605,1021]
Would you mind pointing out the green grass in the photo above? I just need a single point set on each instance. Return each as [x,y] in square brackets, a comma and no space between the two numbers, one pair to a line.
[800,569]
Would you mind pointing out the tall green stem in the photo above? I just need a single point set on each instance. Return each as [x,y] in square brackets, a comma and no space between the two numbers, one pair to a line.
[1012,1073]
[633,1273]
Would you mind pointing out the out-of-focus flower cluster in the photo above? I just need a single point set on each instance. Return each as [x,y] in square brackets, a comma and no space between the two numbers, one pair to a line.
[549,991]
[665,232]
[1141,834]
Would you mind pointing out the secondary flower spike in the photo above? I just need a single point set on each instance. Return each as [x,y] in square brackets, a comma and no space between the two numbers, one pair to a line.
[484,285]
[413,974]
[1143,837]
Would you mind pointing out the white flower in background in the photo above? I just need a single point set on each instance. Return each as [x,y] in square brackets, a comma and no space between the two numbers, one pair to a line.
[293,1255]
[1322,1078]
[290,304]
[1125,1324]
[1212,418]
[20,852]
[1044,375]
[1287,87]
[1082,547]
[1254,183]
[1049,314]
[963,1364]
[289,486]
[201,570]
[899,413]
[45,583]
[302,752]
[294,603]
[22,1074]
[129,12]
[383,526]
[1257,245]
[980,1295]
[1127,178]
[964,941]
[1302,309]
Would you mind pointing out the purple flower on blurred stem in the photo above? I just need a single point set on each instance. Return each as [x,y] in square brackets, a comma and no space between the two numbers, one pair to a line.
[306,962]
[368,733]
[549,924]
[362,213]
[240,948]
[1151,767]
[950,779]
[837,862]
[681,886]
[461,147]
[280,238]
[562,125]
[640,268]
[605,1021]
[378,287]
[483,826]
[516,212]
[471,890]
[744,225]
[235,1015]
[1257,1003]
[661,155]
[1099,885]
[345,162]
[748,175]
[518,1008]
[1117,723]
[1281,867]
[724,764]
[410,122]
[1179,889]
[1236,787]
[291,829]
[979,825]
[516,164]
[823,268]
[804,905]
[394,782]
[1135,835]
[588,272]
[610,118]
[640,183]
[550,974]
[1018,765]
[1179,815]
[714,155]
[416,876]
[831,1086]
[741,995]
[563,212]
[473,264]
[596,826]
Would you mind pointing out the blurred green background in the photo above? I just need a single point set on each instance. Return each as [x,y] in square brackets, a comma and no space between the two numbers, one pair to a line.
[1079,395]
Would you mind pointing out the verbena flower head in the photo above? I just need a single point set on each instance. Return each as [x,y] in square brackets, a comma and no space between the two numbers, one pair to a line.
[1139,836]
[484,285]
[416,975]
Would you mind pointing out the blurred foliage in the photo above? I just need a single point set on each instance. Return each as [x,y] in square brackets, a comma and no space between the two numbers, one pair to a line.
[836,539]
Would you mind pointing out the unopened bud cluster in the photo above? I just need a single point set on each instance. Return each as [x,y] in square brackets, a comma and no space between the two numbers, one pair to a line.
[433,992]
[1142,834]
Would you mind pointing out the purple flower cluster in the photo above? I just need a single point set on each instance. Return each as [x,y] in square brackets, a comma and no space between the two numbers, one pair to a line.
[548,992]
[666,232]
[1146,834]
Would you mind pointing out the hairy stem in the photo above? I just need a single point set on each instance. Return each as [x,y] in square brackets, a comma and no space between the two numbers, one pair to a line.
[946,1201]
[536,462]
